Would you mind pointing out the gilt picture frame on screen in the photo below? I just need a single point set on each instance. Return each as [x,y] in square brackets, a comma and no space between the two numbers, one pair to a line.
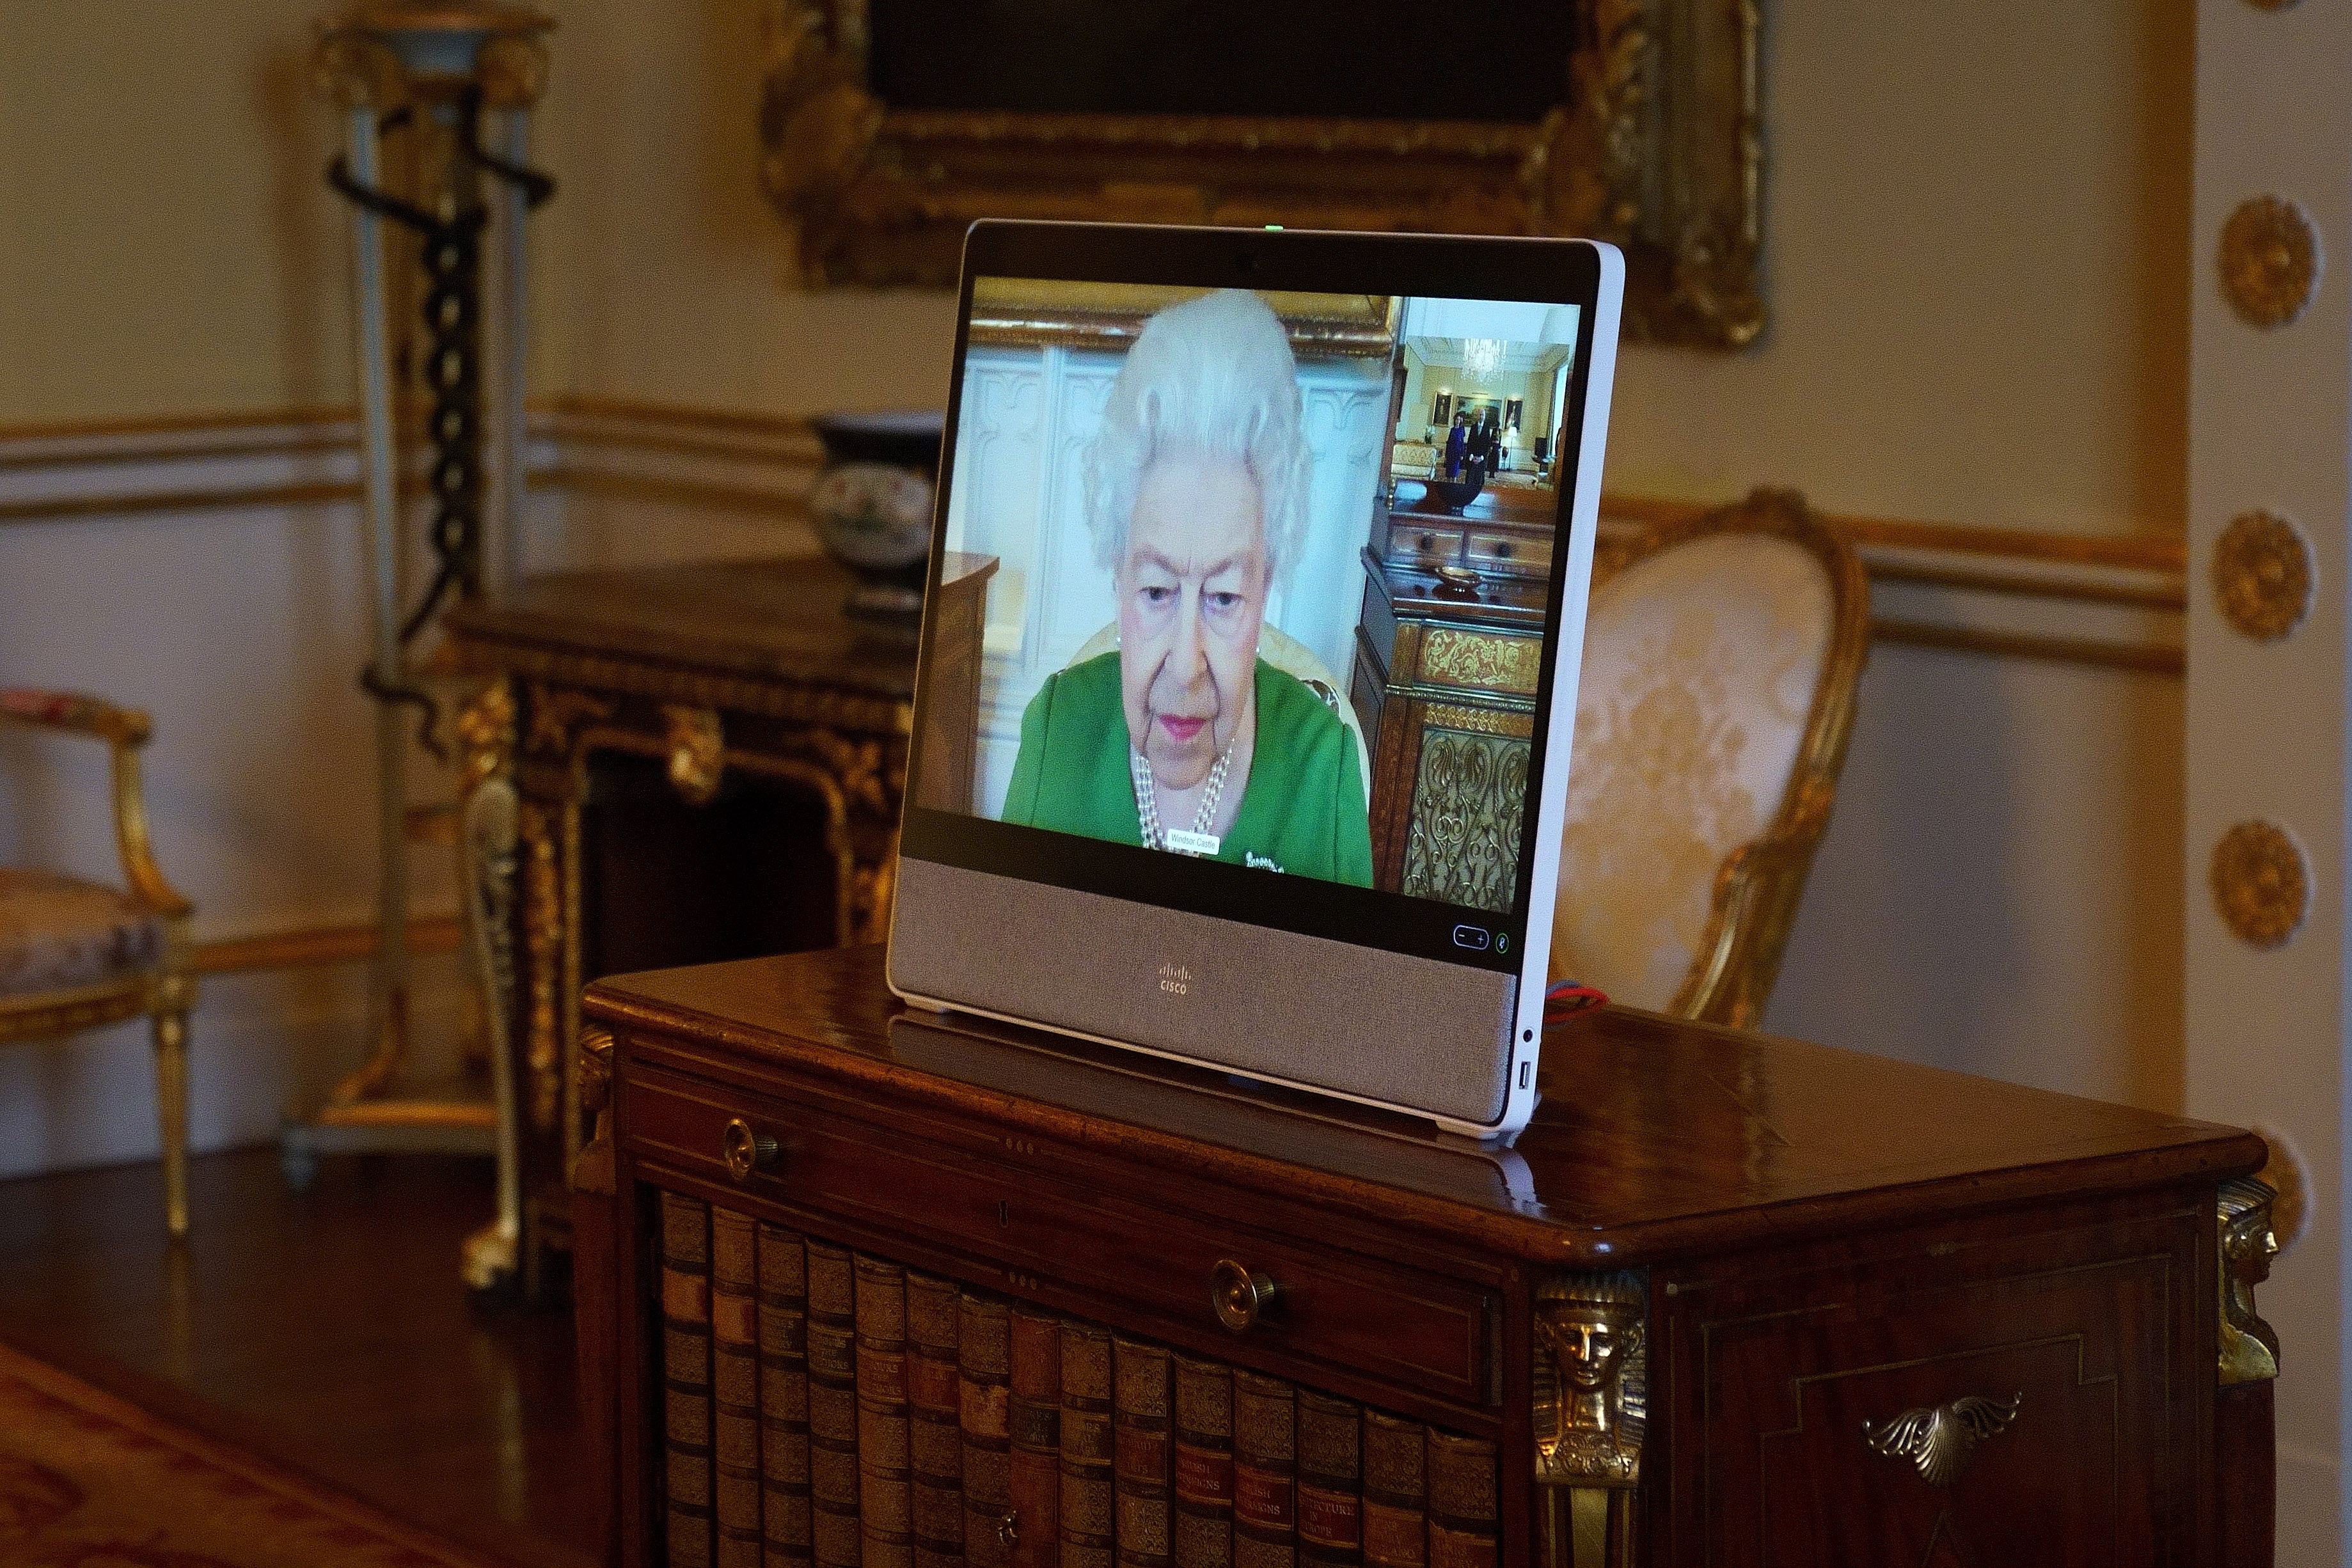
[1167,791]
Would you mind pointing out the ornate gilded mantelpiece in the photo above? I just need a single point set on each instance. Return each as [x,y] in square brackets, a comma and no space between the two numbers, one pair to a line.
[1654,141]
[747,670]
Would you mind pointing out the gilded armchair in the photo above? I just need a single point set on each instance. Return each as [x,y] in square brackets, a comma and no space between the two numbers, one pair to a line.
[1721,663]
[77,955]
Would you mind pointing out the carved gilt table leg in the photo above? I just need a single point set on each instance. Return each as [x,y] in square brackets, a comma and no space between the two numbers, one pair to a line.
[1592,1392]
[546,1011]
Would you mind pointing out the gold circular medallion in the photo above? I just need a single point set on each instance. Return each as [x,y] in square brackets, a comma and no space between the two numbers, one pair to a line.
[2262,883]
[2270,260]
[2262,575]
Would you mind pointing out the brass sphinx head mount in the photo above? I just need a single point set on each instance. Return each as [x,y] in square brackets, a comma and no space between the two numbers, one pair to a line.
[1593,1329]
[2249,1347]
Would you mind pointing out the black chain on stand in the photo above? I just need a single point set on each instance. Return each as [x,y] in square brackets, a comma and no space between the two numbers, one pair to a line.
[452,255]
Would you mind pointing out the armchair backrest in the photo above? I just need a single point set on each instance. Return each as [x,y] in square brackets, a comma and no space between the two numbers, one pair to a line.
[1721,664]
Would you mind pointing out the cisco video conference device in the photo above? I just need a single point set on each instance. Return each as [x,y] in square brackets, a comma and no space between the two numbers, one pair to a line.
[1144,812]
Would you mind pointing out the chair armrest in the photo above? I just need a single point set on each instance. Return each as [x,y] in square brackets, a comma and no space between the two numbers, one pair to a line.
[73,711]
[124,730]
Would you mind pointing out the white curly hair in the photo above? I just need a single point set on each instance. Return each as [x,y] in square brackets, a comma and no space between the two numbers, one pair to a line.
[1212,376]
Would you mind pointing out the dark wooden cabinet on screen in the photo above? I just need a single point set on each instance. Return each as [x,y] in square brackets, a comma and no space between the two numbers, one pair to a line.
[865,1288]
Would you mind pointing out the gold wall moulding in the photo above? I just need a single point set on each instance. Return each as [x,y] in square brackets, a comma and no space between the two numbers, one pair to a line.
[2262,575]
[313,946]
[649,451]
[881,193]
[2270,260]
[2261,883]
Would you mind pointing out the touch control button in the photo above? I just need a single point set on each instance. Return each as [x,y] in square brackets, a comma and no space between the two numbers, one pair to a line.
[1470,937]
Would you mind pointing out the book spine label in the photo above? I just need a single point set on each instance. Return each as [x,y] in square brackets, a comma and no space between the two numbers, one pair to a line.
[885,1485]
[833,1404]
[1088,1504]
[1265,1457]
[984,1403]
[1204,1464]
[1330,1479]
[1461,1501]
[1036,1425]
[1143,1453]
[934,1434]
[735,1386]
[784,1526]
[1395,1519]
[686,1379]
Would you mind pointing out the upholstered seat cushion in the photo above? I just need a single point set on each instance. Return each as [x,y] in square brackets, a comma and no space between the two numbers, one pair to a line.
[56,934]
[1700,664]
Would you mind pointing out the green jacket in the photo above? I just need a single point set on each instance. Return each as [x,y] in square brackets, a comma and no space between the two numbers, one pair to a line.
[1303,812]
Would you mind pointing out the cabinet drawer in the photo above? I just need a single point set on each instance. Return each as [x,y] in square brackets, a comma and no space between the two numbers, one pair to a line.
[1414,544]
[1419,1330]
[2056,1387]
[1518,554]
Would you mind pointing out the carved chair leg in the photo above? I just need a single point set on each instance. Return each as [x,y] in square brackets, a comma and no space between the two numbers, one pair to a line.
[172,1109]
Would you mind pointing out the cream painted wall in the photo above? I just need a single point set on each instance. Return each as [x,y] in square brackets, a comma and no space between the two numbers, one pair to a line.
[1976,221]
[164,244]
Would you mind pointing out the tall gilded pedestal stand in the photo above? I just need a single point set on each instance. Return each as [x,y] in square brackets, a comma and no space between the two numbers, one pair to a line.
[437,102]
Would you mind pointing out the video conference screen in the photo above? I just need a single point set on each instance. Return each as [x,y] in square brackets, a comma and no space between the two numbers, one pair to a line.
[1200,539]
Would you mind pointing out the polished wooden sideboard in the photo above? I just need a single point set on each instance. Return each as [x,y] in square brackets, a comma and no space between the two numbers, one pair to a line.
[1728,1300]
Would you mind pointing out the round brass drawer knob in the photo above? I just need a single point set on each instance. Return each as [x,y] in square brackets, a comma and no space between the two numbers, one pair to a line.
[1008,1529]
[744,1150]
[1240,1298]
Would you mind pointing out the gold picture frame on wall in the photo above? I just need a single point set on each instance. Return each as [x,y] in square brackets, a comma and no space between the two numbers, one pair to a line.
[1655,142]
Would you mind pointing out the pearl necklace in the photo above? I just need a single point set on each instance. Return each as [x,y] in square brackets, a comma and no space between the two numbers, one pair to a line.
[1199,840]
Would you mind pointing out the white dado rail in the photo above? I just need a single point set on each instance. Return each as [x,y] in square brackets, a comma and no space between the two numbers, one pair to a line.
[2077,598]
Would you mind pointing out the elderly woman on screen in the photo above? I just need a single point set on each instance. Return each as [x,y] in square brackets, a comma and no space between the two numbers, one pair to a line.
[1183,738]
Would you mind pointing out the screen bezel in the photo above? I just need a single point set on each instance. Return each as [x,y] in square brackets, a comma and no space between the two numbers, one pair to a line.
[1447,266]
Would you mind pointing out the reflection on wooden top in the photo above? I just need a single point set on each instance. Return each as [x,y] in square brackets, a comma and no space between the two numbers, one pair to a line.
[778,619]
[1655,1137]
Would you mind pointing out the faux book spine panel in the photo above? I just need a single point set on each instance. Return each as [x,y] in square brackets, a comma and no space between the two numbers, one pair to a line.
[1396,1518]
[984,1390]
[686,1379]
[885,1479]
[735,1386]
[1144,1447]
[1087,1507]
[935,1436]
[1266,1471]
[784,1524]
[1330,1480]
[833,1404]
[1205,1463]
[1461,1501]
[823,1408]
[1036,1424]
